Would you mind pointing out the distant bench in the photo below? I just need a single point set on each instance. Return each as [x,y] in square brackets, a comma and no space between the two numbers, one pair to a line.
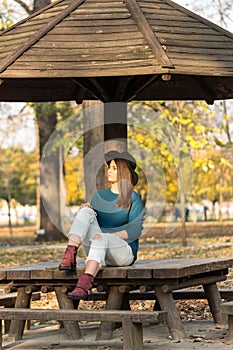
[8,299]
[131,320]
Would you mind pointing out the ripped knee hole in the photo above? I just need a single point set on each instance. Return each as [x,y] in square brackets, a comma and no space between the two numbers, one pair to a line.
[97,236]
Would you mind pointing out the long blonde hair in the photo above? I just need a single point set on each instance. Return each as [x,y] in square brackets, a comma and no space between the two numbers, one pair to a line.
[125,184]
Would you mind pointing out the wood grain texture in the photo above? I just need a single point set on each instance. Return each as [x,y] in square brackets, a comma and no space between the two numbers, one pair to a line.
[99,39]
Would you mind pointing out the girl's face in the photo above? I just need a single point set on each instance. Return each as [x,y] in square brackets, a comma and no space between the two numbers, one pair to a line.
[112,172]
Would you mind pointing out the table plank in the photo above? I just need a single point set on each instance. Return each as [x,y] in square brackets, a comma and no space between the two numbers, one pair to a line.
[41,274]
[176,268]
[159,269]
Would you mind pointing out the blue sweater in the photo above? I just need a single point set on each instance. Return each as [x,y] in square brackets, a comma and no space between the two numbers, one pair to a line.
[112,219]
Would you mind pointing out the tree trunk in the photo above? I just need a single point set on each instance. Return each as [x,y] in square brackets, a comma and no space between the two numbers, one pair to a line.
[182,203]
[221,183]
[46,125]
[9,214]
[51,179]
[93,147]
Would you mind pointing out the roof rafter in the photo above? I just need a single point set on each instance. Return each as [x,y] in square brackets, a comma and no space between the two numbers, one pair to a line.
[122,87]
[208,95]
[101,89]
[149,35]
[140,84]
[88,86]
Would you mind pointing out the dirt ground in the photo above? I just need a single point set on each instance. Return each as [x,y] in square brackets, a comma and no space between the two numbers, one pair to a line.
[200,335]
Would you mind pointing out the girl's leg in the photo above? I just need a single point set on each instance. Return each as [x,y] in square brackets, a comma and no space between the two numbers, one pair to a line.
[107,248]
[84,227]
[118,252]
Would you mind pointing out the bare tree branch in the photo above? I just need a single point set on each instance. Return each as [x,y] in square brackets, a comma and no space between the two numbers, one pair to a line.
[24,6]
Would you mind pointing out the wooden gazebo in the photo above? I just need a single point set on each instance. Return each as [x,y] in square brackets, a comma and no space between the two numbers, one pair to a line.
[119,50]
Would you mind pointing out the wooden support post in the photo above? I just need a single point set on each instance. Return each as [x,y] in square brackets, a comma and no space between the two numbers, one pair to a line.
[1,321]
[17,326]
[71,327]
[132,334]
[173,318]
[230,325]
[214,299]
[115,126]
[114,302]
[226,309]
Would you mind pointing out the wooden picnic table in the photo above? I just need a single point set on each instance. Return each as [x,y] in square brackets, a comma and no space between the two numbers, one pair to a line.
[162,276]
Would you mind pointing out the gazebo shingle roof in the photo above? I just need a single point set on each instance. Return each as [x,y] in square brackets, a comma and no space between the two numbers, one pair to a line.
[116,50]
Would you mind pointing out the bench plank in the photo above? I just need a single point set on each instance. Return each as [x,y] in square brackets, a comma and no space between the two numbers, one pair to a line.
[131,320]
[82,315]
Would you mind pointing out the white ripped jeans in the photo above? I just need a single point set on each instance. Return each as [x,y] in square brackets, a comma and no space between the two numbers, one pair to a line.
[108,249]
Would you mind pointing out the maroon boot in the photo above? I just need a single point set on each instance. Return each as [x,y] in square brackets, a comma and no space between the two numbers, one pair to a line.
[83,287]
[69,260]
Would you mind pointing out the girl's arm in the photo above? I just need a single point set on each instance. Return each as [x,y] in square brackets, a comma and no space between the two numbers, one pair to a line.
[122,234]
[133,229]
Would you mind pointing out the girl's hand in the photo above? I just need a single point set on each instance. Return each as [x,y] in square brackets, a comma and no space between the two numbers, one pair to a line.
[87,204]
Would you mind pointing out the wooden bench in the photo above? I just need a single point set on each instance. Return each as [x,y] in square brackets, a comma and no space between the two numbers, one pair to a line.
[227,309]
[8,300]
[131,320]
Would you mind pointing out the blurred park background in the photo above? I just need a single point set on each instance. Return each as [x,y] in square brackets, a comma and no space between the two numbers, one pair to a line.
[201,133]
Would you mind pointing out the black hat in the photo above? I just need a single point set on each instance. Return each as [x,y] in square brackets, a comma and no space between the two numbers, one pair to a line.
[126,156]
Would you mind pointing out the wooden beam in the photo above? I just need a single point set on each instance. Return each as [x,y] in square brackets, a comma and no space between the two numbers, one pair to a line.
[88,86]
[102,91]
[148,33]
[122,85]
[206,91]
[140,84]
[81,95]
